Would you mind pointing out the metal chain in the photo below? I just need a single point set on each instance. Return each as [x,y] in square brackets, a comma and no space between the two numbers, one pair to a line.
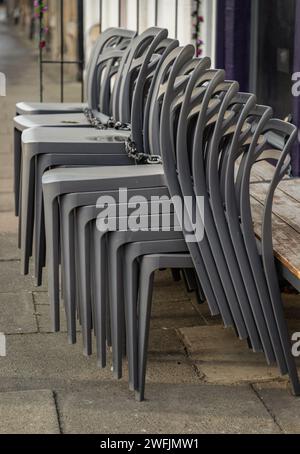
[111,123]
[141,158]
[122,126]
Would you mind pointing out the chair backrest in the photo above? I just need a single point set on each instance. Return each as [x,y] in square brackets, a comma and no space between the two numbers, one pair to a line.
[173,91]
[140,55]
[108,51]
[185,54]
[203,87]
[143,91]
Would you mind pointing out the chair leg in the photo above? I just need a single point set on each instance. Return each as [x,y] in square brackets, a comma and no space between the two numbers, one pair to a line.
[116,288]
[130,303]
[145,302]
[176,275]
[27,202]
[100,295]
[52,225]
[39,224]
[189,280]
[68,271]
[20,207]
[17,167]
[84,282]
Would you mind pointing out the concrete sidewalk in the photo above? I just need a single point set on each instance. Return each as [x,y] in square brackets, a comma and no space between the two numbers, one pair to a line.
[200,378]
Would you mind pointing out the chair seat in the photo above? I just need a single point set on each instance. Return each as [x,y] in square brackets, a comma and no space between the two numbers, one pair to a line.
[22,122]
[46,135]
[121,173]
[36,108]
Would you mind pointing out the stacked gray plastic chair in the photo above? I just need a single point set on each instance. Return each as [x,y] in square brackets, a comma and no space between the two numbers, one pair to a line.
[152,178]
[267,257]
[108,38]
[110,48]
[67,203]
[111,149]
[200,128]
[90,186]
[119,239]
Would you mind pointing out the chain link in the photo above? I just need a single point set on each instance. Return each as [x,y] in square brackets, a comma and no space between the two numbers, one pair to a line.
[130,146]
[141,158]
[111,123]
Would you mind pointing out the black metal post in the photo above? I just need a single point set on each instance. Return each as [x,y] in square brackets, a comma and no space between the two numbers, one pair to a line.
[62,46]
[80,13]
[100,15]
[156,13]
[41,53]
[138,15]
[176,19]
[120,13]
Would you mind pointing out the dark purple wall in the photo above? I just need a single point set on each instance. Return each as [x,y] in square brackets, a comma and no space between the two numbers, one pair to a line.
[233,51]
[233,40]
[296,119]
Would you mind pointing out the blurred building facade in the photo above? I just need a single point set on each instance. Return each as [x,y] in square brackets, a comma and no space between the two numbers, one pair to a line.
[255,41]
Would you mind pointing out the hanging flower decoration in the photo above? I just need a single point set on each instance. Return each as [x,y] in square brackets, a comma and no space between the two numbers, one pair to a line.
[40,8]
[198,20]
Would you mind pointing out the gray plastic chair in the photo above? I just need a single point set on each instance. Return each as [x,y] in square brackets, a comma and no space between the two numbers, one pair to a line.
[213,185]
[164,49]
[243,133]
[205,262]
[252,263]
[83,258]
[146,280]
[112,142]
[108,38]
[290,133]
[149,264]
[264,271]
[63,181]
[113,44]
[208,108]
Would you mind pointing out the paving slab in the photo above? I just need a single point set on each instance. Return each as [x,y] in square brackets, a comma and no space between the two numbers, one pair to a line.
[174,292]
[46,361]
[17,313]
[165,314]
[284,407]
[8,223]
[6,185]
[41,298]
[6,141]
[170,409]
[11,280]
[8,247]
[165,343]
[164,277]
[40,361]
[6,170]
[43,316]
[223,358]
[174,314]
[204,312]
[6,201]
[28,413]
